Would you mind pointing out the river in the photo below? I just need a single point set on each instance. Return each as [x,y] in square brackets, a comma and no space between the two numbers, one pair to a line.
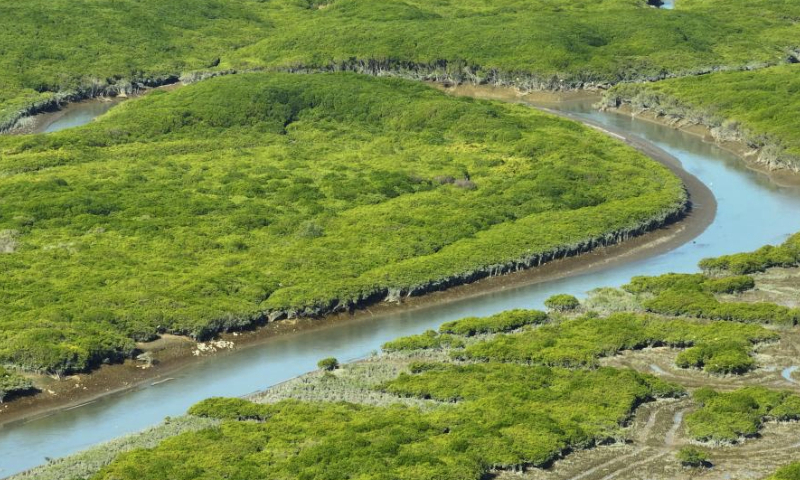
[752,211]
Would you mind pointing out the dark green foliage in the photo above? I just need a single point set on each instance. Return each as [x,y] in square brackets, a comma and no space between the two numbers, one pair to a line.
[501,322]
[562,303]
[693,296]
[328,364]
[726,417]
[506,416]
[693,457]
[786,255]
[208,208]
[718,347]
[13,384]
[424,341]
[789,472]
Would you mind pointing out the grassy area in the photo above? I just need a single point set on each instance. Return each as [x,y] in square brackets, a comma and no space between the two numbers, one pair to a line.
[760,108]
[52,46]
[728,417]
[259,196]
[789,472]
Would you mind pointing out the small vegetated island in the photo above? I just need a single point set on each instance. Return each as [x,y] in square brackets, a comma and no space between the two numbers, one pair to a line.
[58,49]
[255,197]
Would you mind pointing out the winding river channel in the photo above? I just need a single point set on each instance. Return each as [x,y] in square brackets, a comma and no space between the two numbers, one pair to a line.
[751,211]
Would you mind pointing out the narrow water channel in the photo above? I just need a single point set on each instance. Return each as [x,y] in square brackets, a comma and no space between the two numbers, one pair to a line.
[752,212]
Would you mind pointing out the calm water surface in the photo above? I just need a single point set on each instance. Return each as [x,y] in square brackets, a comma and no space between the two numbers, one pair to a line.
[751,212]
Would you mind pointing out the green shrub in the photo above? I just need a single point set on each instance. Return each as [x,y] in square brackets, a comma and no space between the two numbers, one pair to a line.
[424,341]
[718,357]
[736,284]
[727,417]
[789,472]
[501,322]
[562,303]
[716,347]
[693,457]
[506,416]
[13,384]
[328,364]
[692,295]
[785,255]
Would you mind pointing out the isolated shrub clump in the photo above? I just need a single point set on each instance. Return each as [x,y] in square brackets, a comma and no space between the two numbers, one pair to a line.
[501,322]
[718,357]
[328,364]
[13,384]
[693,457]
[424,341]
[730,416]
[562,303]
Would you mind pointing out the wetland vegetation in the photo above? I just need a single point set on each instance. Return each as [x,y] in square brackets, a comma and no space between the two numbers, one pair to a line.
[54,50]
[759,109]
[512,392]
[251,198]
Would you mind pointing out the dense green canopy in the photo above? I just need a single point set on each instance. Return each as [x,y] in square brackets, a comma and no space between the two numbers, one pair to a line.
[206,208]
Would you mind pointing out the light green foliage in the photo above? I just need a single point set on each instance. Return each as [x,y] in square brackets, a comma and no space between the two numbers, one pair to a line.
[785,255]
[12,384]
[726,417]
[423,341]
[204,209]
[760,107]
[789,472]
[693,296]
[562,303]
[55,45]
[612,300]
[507,416]
[692,457]
[328,364]
[718,356]
[501,322]
[582,341]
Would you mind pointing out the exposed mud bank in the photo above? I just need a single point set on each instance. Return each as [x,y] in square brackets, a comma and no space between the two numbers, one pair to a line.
[758,150]
[462,72]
